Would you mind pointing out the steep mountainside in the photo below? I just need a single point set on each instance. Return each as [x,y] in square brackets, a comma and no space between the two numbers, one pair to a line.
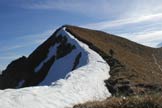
[58,54]
[135,69]
[73,72]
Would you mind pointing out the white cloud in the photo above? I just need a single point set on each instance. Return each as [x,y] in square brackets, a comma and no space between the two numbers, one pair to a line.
[151,38]
[121,22]
[144,7]
[99,9]
[143,29]
[138,19]
[81,6]
[141,18]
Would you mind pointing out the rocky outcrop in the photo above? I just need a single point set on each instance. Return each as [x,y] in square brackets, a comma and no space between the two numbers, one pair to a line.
[23,70]
[15,72]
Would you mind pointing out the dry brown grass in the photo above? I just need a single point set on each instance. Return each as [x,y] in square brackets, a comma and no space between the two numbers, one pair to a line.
[141,70]
[145,101]
[140,65]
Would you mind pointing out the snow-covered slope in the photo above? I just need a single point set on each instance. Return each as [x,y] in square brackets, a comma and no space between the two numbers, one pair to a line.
[80,85]
[62,66]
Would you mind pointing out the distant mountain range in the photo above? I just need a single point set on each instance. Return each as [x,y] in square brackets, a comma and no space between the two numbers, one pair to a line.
[77,64]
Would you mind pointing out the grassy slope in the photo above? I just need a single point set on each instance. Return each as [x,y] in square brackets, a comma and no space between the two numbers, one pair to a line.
[142,65]
[147,101]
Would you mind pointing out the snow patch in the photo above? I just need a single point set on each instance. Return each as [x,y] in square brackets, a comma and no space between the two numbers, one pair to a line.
[83,84]
[61,67]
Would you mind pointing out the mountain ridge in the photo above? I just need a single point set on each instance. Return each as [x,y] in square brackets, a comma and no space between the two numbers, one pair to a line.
[134,70]
[132,65]
[79,78]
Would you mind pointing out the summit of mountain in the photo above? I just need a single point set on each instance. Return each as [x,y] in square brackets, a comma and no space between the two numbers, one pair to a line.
[76,64]
[134,68]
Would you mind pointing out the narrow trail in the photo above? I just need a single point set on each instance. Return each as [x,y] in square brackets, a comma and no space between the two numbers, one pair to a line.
[156,62]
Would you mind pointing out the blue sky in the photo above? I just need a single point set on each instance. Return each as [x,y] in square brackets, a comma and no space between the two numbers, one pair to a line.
[24,24]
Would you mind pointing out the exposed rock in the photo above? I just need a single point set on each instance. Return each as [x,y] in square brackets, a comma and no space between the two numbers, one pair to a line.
[15,72]
[24,67]
[77,59]
[134,68]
